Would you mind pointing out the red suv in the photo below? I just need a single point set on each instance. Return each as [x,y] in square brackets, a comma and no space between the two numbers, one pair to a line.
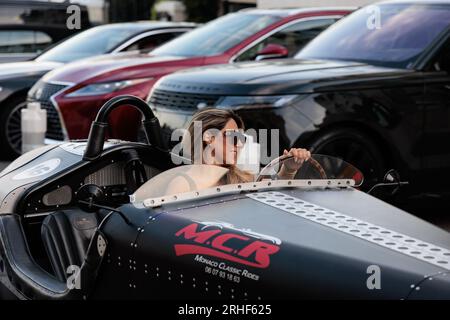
[79,89]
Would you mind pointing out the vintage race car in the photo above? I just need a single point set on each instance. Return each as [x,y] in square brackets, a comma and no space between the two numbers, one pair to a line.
[95,220]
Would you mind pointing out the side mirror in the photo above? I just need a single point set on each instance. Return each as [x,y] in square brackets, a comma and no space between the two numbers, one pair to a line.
[272,51]
[391,179]
[392,176]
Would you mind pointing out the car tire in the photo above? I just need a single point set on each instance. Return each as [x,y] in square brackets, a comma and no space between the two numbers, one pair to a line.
[355,147]
[10,128]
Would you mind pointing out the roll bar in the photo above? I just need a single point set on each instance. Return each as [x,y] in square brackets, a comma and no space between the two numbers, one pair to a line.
[99,126]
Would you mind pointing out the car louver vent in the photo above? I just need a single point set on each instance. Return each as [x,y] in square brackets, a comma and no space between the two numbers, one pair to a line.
[42,92]
[182,101]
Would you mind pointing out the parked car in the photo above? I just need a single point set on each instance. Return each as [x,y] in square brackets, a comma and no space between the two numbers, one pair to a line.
[78,90]
[310,237]
[378,98]
[29,27]
[17,78]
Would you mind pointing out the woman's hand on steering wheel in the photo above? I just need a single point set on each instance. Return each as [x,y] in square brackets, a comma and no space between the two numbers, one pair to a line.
[299,156]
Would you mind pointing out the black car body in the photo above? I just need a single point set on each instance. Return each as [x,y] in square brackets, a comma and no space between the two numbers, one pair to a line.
[377,98]
[29,27]
[267,239]
[17,78]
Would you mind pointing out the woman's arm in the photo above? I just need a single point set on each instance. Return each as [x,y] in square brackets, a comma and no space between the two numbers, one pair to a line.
[290,167]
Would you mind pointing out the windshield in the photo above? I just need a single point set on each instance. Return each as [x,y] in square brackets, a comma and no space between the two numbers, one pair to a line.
[194,178]
[318,167]
[390,35]
[95,41]
[217,36]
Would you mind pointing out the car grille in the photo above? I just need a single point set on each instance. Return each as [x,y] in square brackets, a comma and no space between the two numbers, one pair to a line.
[42,92]
[181,101]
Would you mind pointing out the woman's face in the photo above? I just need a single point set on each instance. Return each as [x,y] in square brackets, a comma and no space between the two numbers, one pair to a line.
[226,145]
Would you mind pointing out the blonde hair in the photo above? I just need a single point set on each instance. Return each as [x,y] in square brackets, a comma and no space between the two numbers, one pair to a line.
[211,118]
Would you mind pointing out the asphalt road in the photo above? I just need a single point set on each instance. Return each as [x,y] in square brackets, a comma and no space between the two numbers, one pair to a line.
[436,211]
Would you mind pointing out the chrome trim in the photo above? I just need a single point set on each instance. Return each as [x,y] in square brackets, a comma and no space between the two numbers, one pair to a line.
[262,57]
[242,187]
[284,26]
[146,34]
[33,215]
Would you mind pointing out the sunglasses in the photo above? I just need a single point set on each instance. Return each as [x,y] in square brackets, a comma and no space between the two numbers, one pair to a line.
[237,136]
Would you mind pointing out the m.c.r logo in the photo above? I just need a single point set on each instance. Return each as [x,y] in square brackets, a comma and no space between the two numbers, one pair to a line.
[213,242]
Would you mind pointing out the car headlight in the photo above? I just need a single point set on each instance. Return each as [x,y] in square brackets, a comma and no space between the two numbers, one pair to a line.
[255,102]
[105,87]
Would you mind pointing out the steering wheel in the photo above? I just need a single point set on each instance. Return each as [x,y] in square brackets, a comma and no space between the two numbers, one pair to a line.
[315,164]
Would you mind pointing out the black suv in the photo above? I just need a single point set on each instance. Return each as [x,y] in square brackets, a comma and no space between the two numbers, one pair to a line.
[373,92]
[29,27]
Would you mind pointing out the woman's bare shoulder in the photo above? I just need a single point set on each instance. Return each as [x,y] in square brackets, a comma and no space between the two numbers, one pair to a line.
[180,184]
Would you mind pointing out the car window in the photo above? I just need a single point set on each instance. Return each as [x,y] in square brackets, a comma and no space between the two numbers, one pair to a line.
[94,41]
[217,36]
[294,37]
[396,36]
[151,42]
[23,41]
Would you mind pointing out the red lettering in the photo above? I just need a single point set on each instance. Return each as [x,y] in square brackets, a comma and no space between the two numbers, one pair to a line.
[219,242]
[261,250]
[217,247]
[190,232]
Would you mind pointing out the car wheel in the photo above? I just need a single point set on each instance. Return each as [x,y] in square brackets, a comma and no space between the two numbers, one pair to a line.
[357,149]
[11,129]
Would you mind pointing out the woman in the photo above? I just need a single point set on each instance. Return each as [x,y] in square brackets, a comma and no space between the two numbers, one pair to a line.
[215,137]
